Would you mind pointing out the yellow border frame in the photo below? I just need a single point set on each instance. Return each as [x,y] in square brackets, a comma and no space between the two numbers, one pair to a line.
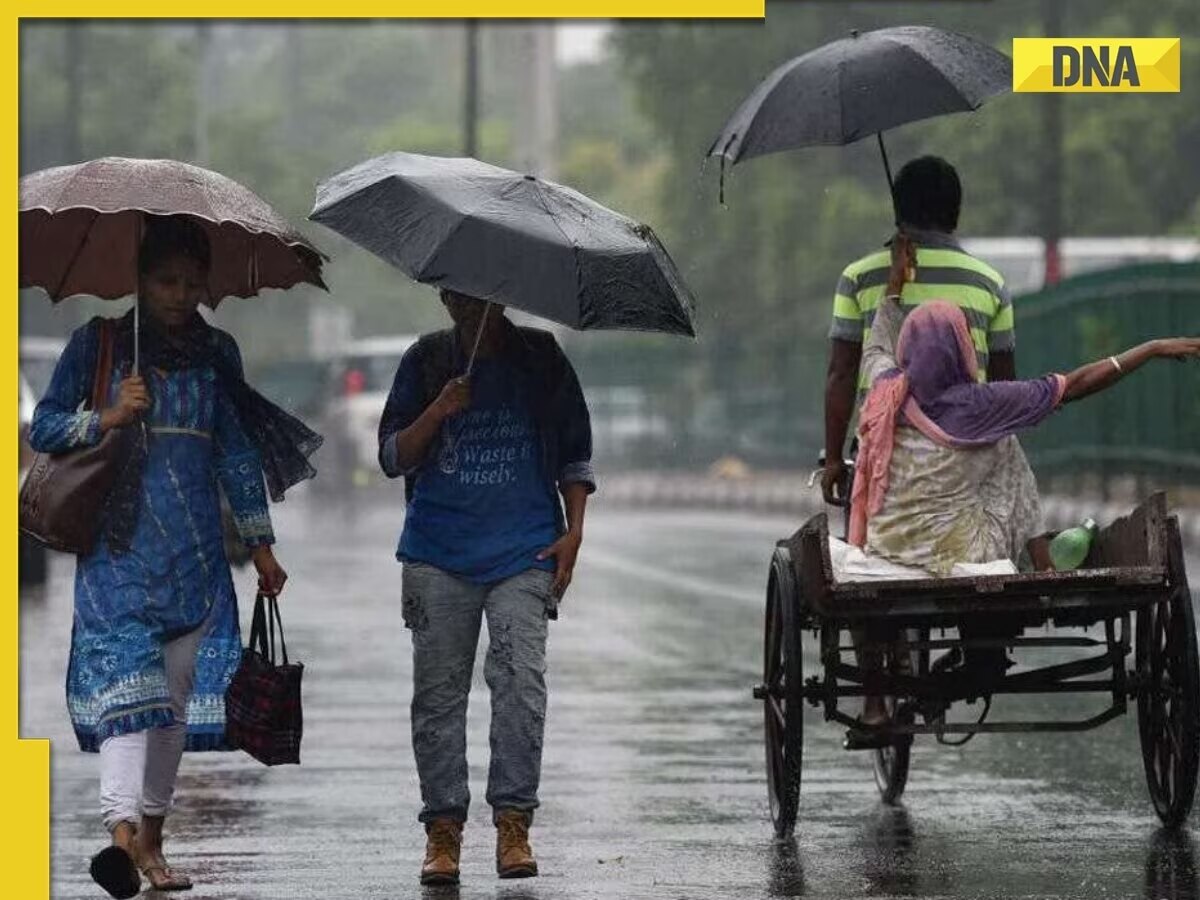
[26,763]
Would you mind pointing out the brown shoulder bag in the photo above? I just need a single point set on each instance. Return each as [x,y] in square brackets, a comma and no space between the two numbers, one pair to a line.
[64,494]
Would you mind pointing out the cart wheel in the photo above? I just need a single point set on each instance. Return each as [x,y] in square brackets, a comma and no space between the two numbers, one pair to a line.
[1169,699]
[891,763]
[1171,865]
[783,674]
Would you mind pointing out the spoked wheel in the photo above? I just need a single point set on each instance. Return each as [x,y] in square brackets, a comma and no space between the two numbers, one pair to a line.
[783,674]
[891,763]
[1169,699]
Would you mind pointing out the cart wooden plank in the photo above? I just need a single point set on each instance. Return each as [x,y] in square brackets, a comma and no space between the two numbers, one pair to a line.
[1125,570]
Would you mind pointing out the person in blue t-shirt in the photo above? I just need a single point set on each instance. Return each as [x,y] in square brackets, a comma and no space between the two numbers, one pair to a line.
[485,457]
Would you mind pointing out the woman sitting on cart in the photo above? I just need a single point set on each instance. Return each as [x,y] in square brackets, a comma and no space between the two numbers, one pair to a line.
[941,478]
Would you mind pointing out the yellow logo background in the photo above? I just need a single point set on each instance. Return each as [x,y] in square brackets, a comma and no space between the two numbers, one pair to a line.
[1157,61]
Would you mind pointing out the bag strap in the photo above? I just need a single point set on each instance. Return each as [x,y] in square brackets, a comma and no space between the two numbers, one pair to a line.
[104,366]
[258,628]
[262,628]
[273,602]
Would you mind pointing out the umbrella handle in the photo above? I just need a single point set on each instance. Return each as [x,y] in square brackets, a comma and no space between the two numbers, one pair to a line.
[478,337]
[887,169]
[724,157]
[137,299]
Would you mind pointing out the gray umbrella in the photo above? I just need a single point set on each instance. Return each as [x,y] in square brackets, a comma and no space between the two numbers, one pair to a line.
[862,85]
[510,238]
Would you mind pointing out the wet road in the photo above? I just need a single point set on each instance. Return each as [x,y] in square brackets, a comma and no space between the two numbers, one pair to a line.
[653,781]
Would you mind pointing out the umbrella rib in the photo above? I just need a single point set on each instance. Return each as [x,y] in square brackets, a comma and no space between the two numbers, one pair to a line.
[68,183]
[569,240]
[208,198]
[74,258]
[463,218]
[929,64]
[915,50]
[841,70]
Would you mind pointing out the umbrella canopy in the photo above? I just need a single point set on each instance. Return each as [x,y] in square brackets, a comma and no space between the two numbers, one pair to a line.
[498,235]
[863,85]
[81,227]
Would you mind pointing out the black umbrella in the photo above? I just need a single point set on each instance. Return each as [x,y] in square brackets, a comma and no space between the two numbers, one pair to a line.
[862,85]
[510,238]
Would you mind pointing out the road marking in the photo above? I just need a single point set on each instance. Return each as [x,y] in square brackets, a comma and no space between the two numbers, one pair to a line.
[676,581]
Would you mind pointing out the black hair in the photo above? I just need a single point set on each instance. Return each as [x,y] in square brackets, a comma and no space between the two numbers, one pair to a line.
[928,194]
[167,236]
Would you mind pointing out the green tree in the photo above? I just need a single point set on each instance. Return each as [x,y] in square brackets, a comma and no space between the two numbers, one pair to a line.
[764,266]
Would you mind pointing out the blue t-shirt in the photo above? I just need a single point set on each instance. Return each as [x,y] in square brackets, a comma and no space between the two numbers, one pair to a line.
[480,507]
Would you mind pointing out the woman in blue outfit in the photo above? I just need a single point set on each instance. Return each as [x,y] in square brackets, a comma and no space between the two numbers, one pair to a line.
[155,638]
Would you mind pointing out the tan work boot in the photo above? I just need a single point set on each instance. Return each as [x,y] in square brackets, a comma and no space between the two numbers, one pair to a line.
[443,842]
[514,859]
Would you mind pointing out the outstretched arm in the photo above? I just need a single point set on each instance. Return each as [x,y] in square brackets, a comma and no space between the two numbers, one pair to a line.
[1095,377]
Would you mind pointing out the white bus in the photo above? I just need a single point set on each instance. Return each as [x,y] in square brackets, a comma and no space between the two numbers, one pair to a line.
[1022,260]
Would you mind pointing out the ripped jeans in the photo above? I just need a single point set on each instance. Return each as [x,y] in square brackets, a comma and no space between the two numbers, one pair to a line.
[444,614]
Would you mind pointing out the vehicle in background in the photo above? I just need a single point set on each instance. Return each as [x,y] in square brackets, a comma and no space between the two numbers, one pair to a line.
[301,386]
[362,375]
[32,557]
[26,402]
[1022,260]
[38,356]
[626,428]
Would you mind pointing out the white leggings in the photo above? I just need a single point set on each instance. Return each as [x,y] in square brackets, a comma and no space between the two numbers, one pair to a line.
[137,770]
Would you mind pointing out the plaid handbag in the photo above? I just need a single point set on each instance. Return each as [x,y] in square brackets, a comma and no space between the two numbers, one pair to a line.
[262,704]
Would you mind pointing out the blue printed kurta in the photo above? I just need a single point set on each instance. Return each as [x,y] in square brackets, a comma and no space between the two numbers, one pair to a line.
[175,576]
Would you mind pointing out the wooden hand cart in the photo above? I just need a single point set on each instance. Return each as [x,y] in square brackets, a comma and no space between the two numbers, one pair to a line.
[1134,576]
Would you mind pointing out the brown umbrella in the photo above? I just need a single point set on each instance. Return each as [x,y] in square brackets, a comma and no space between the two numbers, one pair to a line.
[81,226]
[80,229]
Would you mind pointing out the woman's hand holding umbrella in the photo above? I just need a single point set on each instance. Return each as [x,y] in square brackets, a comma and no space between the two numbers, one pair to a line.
[454,398]
[132,400]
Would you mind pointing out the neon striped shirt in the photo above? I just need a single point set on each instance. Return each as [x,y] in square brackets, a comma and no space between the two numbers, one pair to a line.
[945,271]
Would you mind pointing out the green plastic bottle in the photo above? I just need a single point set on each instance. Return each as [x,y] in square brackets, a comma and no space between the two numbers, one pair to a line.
[1070,548]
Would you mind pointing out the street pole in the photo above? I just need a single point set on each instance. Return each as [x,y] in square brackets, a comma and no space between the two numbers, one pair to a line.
[204,89]
[73,149]
[1050,188]
[294,74]
[471,90]
[545,101]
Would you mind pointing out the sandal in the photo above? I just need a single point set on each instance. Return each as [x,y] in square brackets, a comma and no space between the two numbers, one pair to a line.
[160,875]
[113,869]
[166,879]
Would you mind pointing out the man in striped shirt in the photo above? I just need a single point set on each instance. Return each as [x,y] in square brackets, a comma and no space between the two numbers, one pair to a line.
[928,198]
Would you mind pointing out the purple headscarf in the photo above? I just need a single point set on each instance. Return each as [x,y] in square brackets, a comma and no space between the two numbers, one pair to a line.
[946,401]
[935,390]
